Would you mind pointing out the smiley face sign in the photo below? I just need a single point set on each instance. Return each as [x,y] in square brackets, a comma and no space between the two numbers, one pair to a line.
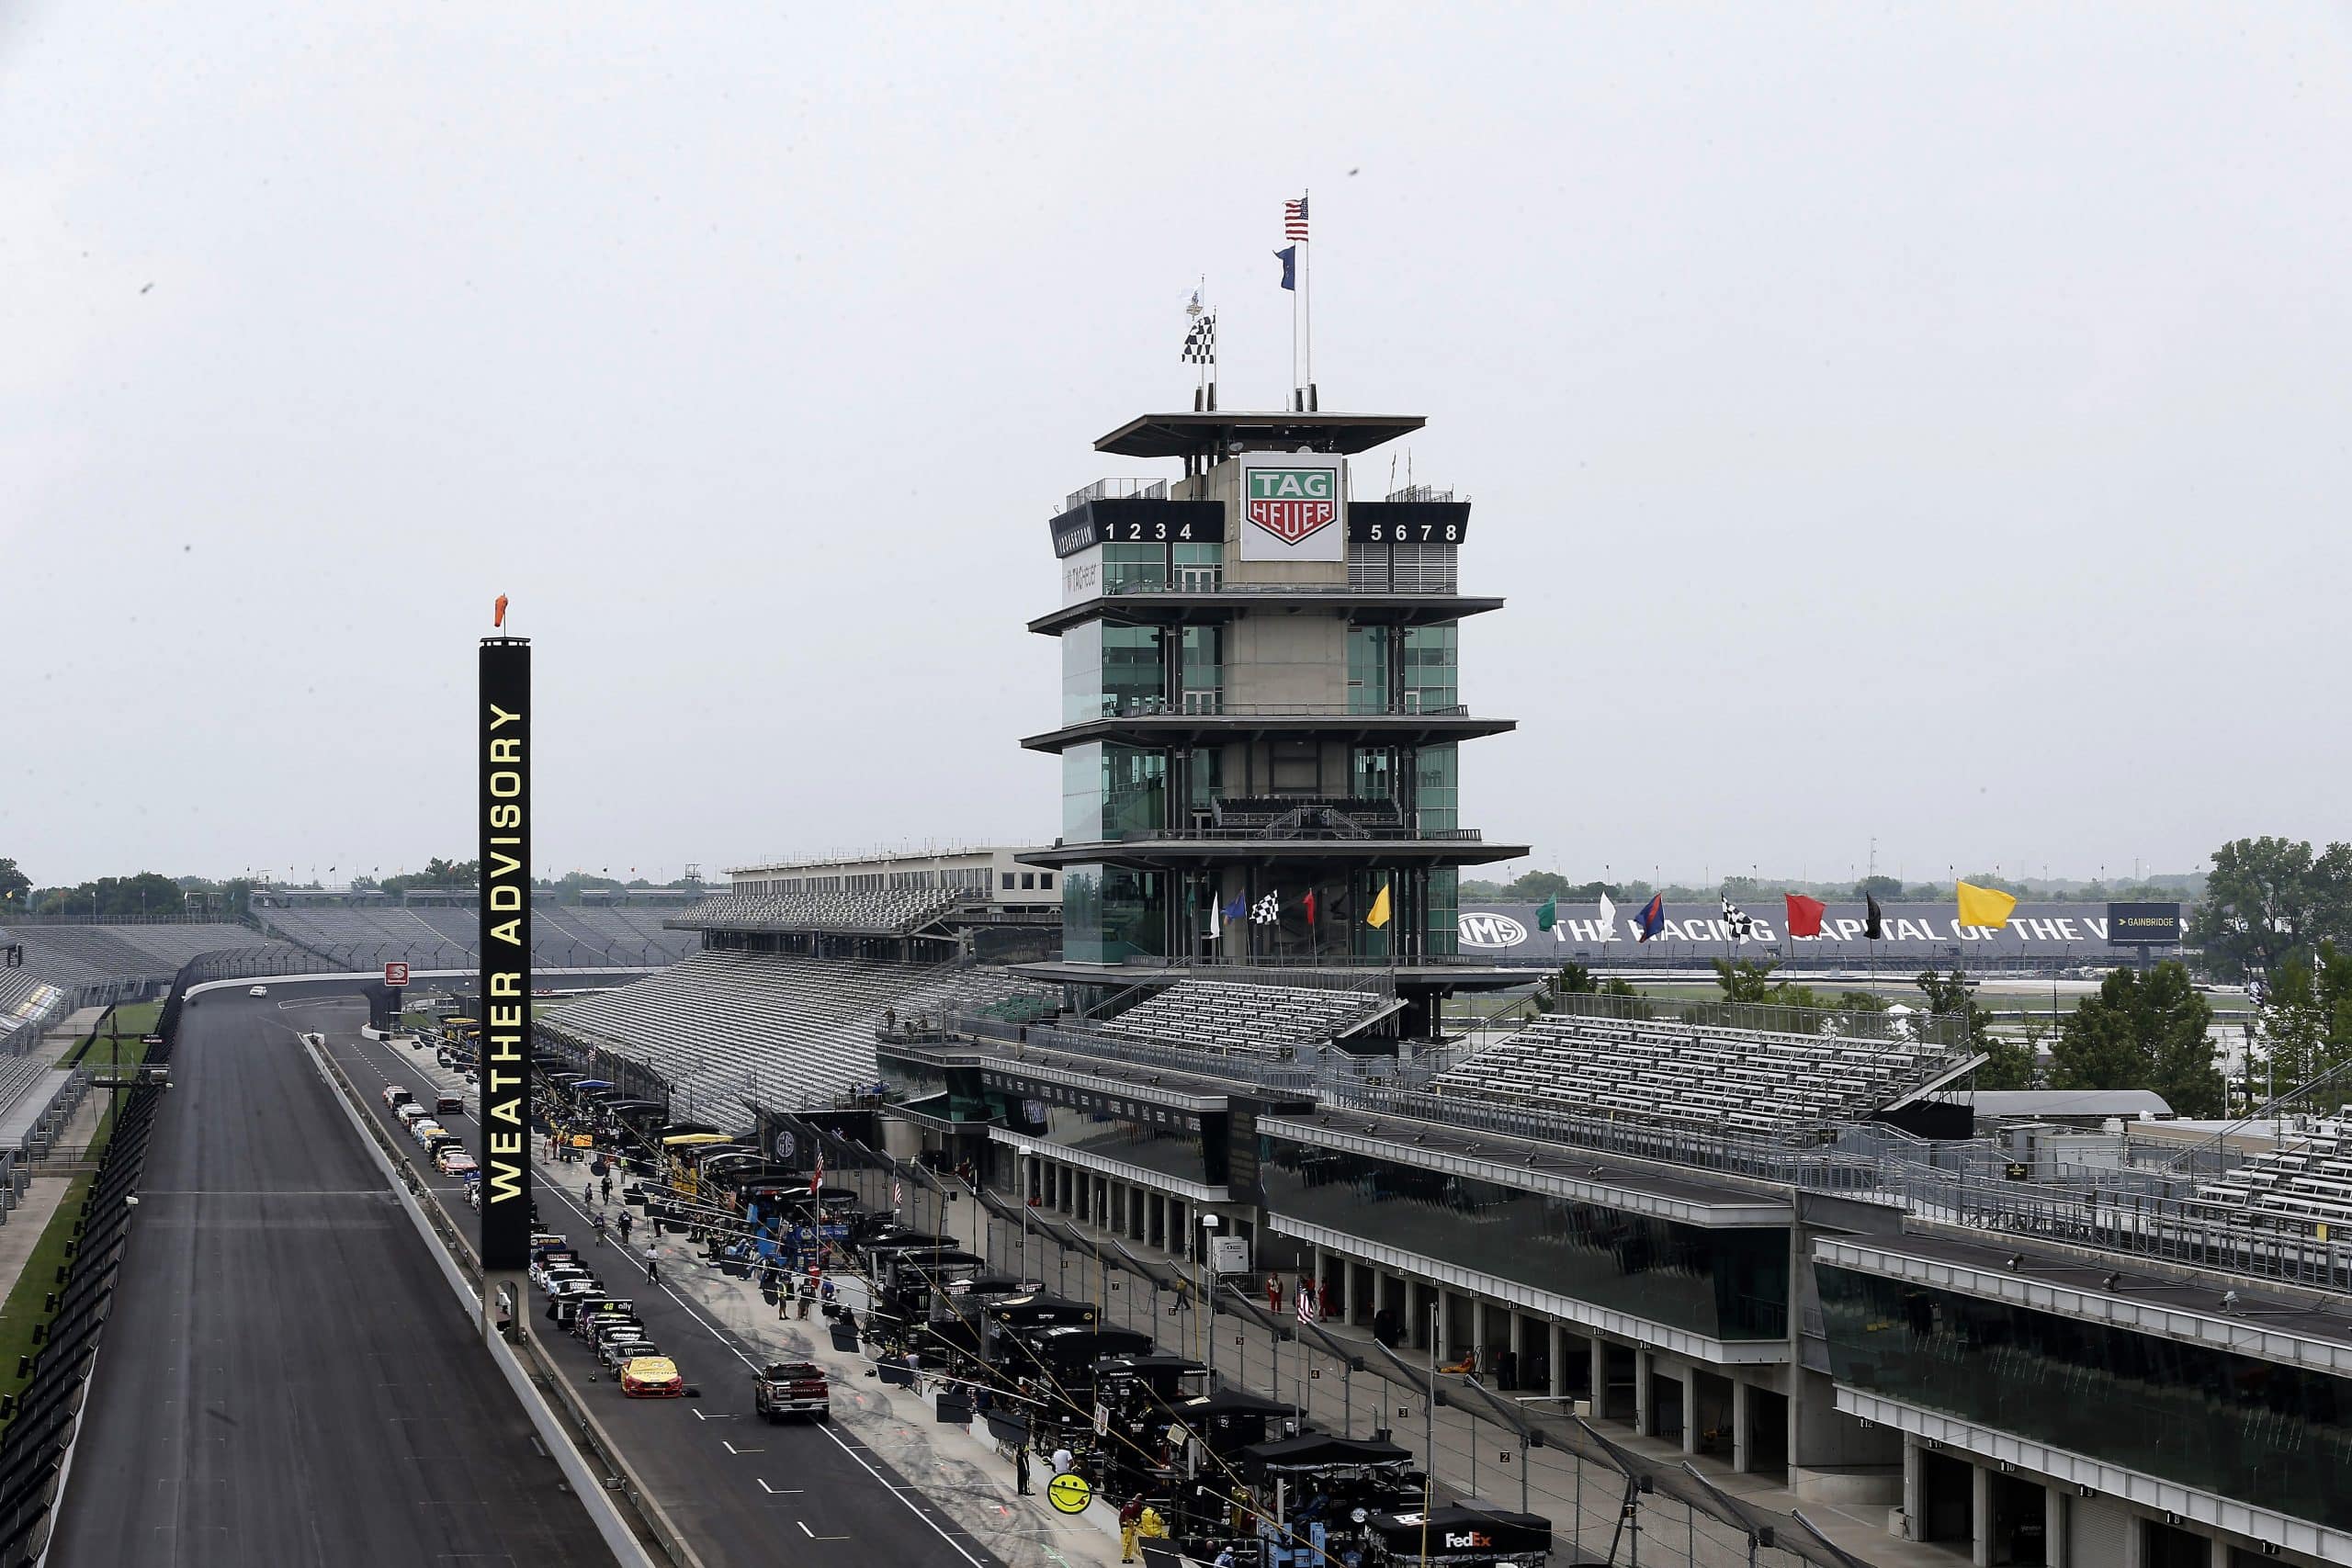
[1070,1492]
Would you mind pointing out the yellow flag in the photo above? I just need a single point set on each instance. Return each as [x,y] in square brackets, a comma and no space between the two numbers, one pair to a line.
[1986,906]
[1379,916]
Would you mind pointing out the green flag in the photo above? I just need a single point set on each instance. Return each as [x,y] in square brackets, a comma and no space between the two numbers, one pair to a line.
[1548,915]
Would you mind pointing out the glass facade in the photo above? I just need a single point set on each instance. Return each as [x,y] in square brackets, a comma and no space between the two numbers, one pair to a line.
[1372,772]
[1437,788]
[1109,790]
[1200,568]
[1200,664]
[1432,680]
[1723,1285]
[1368,669]
[1128,567]
[1170,1142]
[1443,933]
[2273,1436]
[1110,914]
[1108,670]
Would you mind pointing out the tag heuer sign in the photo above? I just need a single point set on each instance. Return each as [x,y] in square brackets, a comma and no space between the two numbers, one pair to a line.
[1290,504]
[1291,507]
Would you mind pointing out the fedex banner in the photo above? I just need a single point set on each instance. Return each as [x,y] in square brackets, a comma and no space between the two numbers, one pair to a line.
[1508,935]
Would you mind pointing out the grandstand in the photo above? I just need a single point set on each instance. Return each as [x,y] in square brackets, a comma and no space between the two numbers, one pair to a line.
[100,962]
[29,1005]
[1242,1020]
[2309,1181]
[1762,1080]
[886,912]
[443,936]
[723,1027]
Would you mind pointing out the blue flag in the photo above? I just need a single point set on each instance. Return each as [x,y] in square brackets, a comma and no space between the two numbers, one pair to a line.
[1234,910]
[1288,256]
[1652,920]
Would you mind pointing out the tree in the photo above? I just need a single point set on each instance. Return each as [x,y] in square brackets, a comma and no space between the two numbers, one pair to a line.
[15,889]
[2268,900]
[2307,1023]
[2144,1030]
[2010,1064]
[1537,885]
[1745,981]
[1885,889]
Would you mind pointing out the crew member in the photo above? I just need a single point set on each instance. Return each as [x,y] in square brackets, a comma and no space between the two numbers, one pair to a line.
[652,1265]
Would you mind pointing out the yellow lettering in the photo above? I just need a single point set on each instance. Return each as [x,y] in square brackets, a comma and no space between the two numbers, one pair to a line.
[506,1143]
[505,785]
[506,1111]
[506,817]
[504,899]
[503,864]
[508,931]
[506,1017]
[499,719]
[505,1182]
[506,983]
[506,748]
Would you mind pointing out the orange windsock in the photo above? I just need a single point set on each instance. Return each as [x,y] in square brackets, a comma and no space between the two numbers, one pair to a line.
[498,613]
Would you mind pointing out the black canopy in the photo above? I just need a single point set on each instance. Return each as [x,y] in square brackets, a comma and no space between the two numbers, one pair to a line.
[1319,1450]
[1235,1401]
[1456,1531]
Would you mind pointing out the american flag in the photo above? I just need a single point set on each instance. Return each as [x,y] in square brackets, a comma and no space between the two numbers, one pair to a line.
[897,1193]
[817,1177]
[1306,1313]
[1295,220]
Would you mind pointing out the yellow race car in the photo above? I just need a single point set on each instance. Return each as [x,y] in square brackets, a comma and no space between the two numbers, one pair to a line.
[651,1377]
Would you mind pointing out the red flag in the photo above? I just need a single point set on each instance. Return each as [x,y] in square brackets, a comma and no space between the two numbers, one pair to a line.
[498,613]
[1805,915]
[1310,906]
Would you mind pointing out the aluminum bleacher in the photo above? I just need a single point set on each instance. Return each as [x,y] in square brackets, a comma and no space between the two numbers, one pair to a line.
[28,1006]
[1236,1019]
[2311,1180]
[789,1031]
[563,936]
[1758,1079]
[888,913]
[96,958]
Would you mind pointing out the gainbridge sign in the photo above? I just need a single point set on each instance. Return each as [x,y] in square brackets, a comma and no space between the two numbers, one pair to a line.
[505,820]
[1292,507]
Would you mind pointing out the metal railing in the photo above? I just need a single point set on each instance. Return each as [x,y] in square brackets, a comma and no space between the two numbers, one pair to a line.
[1118,490]
[1943,1031]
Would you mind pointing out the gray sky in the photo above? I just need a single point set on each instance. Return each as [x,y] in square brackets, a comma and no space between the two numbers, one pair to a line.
[1886,421]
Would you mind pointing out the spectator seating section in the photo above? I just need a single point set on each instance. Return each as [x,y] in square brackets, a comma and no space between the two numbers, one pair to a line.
[563,936]
[28,1006]
[1699,1075]
[982,989]
[2307,1181]
[888,913]
[80,956]
[791,1031]
[1246,1019]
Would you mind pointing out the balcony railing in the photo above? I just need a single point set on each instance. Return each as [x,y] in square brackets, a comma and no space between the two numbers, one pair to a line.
[1213,703]
[1118,490]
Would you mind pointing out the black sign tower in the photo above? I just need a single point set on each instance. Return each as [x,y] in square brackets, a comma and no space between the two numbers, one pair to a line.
[505,822]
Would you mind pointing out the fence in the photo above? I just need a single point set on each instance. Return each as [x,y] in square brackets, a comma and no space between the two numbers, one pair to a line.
[44,1418]
[1678,1519]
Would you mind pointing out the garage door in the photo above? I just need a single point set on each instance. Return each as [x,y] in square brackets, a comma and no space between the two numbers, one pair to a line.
[2096,1533]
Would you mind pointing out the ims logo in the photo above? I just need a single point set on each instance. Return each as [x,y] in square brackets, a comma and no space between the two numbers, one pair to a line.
[1293,503]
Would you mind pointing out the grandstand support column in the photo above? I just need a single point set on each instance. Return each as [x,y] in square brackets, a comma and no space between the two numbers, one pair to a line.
[1691,1409]
[1910,1481]
[1980,1515]
[1597,1354]
[1643,1373]
[1740,1454]
[2054,1548]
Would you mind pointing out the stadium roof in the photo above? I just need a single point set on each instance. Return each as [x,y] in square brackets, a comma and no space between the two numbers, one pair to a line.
[1218,431]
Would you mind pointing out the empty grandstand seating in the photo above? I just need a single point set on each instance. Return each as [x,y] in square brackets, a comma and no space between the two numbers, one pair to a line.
[980,989]
[790,1031]
[1690,1073]
[1247,1019]
[2307,1181]
[90,957]
[29,1005]
[442,936]
[894,912]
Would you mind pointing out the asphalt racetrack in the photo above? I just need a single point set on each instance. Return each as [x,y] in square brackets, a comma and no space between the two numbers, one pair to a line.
[287,1377]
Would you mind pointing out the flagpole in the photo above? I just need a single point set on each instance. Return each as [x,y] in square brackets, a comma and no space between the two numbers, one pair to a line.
[1305,315]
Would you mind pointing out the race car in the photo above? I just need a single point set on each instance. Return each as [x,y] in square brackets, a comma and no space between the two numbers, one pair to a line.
[455,1161]
[651,1377]
[396,1095]
[258,991]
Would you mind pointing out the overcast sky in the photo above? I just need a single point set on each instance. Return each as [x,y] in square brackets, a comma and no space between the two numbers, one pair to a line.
[1886,421]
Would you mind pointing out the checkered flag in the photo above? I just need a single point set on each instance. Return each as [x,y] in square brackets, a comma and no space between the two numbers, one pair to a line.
[1267,910]
[1742,924]
[1200,341]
